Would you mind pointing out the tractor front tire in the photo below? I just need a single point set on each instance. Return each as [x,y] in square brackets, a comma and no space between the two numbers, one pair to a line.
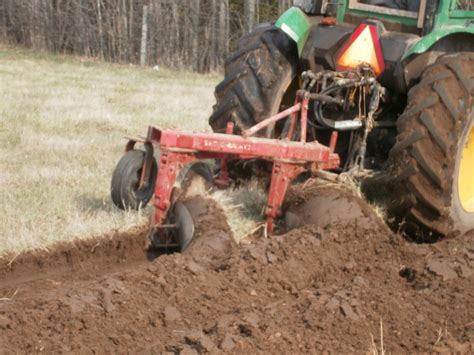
[433,159]
[257,77]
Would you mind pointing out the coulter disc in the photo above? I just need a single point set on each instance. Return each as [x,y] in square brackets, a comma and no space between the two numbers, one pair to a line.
[185,225]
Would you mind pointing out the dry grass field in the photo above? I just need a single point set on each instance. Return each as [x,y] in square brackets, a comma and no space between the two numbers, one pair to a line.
[62,122]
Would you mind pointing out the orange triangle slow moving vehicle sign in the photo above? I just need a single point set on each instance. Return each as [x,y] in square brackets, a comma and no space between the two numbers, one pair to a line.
[362,47]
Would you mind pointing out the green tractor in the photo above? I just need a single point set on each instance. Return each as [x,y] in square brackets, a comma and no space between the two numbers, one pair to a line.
[421,136]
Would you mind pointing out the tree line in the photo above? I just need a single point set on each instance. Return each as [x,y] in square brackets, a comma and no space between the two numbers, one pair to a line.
[186,34]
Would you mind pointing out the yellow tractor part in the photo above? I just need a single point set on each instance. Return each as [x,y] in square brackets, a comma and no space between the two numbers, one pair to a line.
[466,174]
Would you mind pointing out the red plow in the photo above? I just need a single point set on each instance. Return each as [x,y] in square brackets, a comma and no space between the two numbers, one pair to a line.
[177,149]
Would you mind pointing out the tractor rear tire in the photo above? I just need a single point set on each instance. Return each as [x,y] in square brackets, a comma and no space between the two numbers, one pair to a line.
[433,159]
[257,77]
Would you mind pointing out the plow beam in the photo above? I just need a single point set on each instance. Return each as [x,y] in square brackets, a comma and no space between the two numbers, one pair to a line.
[179,148]
[218,146]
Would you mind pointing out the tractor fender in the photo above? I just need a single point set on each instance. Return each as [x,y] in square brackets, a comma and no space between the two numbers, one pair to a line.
[428,41]
[427,51]
[297,25]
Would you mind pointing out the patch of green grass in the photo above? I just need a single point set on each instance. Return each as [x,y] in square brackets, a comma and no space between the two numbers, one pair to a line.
[62,122]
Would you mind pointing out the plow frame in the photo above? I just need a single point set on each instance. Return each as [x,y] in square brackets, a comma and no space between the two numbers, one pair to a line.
[289,158]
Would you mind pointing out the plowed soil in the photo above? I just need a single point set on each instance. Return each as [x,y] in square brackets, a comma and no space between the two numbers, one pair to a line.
[339,287]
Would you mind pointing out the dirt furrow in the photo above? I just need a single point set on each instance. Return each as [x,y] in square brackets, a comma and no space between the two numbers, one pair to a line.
[337,288]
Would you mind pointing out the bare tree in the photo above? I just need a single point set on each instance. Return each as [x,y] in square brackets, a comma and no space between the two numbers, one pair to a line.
[223,31]
[191,34]
[101,32]
[3,20]
[144,41]
[195,14]
[249,14]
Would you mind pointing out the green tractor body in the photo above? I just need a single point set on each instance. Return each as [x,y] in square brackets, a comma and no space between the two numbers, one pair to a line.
[419,135]
[405,35]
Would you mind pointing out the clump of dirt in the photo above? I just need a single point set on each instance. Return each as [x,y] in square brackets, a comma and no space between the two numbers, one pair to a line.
[312,289]
[327,205]
[213,243]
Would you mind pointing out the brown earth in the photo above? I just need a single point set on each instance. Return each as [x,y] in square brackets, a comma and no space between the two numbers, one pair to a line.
[313,289]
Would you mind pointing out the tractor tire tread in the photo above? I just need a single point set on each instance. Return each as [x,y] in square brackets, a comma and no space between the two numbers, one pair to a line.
[253,76]
[408,141]
[462,77]
[428,167]
[419,217]
[417,109]
[430,81]
[429,123]
[446,100]
[423,158]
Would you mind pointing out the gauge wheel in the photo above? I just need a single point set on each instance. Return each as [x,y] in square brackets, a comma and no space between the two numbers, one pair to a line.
[125,190]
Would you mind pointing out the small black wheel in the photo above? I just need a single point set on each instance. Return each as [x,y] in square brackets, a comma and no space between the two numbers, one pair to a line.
[126,179]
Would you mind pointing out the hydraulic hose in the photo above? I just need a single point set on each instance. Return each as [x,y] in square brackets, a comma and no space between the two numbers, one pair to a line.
[326,123]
